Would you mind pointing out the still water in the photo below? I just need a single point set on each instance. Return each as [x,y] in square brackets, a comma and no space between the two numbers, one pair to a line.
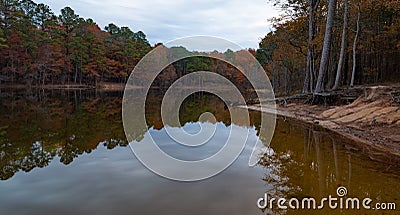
[64,152]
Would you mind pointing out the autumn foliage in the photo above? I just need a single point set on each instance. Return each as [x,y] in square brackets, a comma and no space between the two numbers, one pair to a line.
[38,48]
[283,52]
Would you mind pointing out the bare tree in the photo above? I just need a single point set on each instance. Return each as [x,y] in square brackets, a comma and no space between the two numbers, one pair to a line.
[355,46]
[309,80]
[326,48]
[343,45]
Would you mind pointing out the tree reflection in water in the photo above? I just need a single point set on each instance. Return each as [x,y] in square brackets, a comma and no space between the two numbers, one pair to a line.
[307,161]
[40,125]
[303,161]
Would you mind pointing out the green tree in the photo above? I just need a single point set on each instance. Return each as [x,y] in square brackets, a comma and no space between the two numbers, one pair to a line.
[68,20]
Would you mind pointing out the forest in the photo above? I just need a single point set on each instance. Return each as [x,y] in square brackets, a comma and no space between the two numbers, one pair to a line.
[313,46]
[318,46]
[39,48]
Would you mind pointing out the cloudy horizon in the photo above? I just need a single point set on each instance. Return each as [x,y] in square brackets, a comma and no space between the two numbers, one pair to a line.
[241,22]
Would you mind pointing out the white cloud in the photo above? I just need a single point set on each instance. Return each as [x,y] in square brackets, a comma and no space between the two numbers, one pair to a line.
[242,22]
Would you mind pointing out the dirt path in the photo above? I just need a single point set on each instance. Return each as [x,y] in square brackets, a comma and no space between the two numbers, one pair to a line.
[372,120]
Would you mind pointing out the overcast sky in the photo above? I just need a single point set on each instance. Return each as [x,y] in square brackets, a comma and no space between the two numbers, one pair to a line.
[242,22]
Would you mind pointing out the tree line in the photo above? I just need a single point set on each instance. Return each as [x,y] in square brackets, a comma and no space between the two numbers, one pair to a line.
[38,47]
[317,46]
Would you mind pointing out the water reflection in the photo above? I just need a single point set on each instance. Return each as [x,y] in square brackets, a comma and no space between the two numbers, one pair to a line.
[307,161]
[39,125]
[73,146]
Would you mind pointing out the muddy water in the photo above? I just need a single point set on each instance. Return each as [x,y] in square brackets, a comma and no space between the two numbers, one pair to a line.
[64,152]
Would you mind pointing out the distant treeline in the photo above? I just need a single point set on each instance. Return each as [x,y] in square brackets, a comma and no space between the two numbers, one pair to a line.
[211,61]
[38,47]
[316,45]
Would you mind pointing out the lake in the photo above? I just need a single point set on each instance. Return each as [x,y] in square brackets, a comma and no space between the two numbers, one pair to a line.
[65,152]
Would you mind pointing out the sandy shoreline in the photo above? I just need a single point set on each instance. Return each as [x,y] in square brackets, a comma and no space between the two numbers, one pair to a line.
[372,121]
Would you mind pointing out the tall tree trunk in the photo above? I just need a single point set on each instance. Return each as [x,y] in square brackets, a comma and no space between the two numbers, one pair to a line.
[308,81]
[44,77]
[12,70]
[286,81]
[355,46]
[326,48]
[76,73]
[274,76]
[343,45]
[346,69]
